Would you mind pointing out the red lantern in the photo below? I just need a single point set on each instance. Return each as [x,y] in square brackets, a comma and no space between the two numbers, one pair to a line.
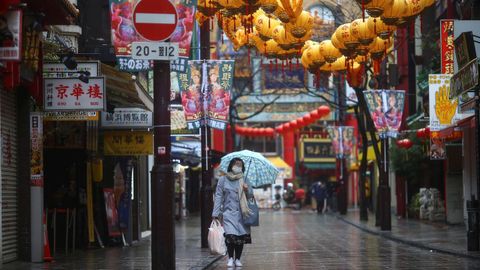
[407,143]
[399,143]
[293,124]
[323,110]
[300,122]
[421,133]
[287,127]
[269,132]
[307,119]
[239,130]
[427,132]
[249,131]
[279,129]
[261,132]
[314,115]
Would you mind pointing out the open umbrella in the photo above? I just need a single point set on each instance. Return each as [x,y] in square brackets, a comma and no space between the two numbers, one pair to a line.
[259,171]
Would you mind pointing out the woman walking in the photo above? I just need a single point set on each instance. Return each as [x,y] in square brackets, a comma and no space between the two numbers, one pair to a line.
[231,203]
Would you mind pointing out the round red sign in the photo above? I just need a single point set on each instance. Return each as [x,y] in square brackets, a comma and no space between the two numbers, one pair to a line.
[155,20]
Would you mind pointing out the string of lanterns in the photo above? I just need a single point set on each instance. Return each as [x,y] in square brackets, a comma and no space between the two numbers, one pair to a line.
[290,126]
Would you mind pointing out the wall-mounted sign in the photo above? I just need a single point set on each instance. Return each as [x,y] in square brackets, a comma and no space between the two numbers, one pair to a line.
[71,116]
[442,109]
[59,70]
[464,49]
[465,79]
[133,65]
[317,150]
[128,143]
[447,46]
[73,94]
[127,118]
[11,42]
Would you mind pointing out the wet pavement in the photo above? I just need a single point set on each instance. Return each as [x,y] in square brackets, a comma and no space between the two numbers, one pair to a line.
[290,239]
[305,240]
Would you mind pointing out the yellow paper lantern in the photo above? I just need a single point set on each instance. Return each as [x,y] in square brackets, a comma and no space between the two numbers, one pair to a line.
[329,52]
[229,4]
[301,26]
[395,12]
[269,48]
[361,58]
[265,25]
[345,37]
[414,7]
[269,6]
[377,26]
[376,7]
[379,47]
[338,65]
[360,31]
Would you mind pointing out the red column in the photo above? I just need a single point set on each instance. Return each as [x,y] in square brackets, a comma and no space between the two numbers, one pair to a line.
[289,151]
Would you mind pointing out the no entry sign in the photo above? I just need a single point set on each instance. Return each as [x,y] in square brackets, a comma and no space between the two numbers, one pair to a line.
[155,20]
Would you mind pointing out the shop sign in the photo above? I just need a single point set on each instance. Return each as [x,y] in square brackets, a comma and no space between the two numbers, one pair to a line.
[70,116]
[442,109]
[317,150]
[36,145]
[73,94]
[447,46]
[465,79]
[11,42]
[464,49]
[59,70]
[133,65]
[128,143]
[127,118]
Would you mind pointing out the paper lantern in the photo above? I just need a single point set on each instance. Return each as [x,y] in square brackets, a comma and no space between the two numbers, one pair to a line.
[300,122]
[269,6]
[279,129]
[269,132]
[329,52]
[323,110]
[414,7]
[375,8]
[287,127]
[314,115]
[303,23]
[307,119]
[407,143]
[293,124]
[421,133]
[344,36]
[381,29]
[360,31]
[395,12]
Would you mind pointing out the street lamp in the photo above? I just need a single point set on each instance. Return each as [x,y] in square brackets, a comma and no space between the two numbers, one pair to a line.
[386,110]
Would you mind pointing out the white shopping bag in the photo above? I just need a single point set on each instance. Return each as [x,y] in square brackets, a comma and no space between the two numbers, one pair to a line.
[216,240]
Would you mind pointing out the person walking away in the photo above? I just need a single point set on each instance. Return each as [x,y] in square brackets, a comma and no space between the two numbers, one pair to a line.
[230,202]
[320,193]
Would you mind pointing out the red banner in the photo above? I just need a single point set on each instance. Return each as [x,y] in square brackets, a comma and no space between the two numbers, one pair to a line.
[447,47]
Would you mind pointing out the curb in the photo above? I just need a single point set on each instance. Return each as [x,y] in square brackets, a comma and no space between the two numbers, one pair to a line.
[207,262]
[386,235]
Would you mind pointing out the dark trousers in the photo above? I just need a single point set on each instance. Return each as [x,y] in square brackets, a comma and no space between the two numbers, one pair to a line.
[320,204]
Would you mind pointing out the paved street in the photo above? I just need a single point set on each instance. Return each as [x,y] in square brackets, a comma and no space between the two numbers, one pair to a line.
[303,240]
[285,240]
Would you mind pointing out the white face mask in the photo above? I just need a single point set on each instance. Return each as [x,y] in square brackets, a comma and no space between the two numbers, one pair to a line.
[236,169]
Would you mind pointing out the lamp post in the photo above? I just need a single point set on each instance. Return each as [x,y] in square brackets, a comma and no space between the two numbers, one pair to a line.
[206,192]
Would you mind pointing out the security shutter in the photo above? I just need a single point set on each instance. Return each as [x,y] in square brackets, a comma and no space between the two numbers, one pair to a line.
[8,175]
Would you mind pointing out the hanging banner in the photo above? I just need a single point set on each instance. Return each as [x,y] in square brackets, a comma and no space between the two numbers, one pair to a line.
[342,140]
[36,147]
[111,212]
[123,31]
[128,143]
[191,92]
[220,82]
[184,31]
[386,109]
[11,36]
[437,148]
[442,109]
[447,46]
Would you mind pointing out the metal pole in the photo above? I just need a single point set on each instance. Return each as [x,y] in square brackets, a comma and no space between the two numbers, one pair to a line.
[384,190]
[206,192]
[163,230]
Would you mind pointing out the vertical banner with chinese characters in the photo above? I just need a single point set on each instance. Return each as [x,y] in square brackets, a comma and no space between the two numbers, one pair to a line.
[191,92]
[447,46]
[442,111]
[11,35]
[342,140]
[36,147]
[386,109]
[219,84]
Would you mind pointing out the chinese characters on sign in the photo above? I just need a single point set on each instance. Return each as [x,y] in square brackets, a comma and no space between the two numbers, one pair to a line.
[386,109]
[59,70]
[128,143]
[317,150]
[11,41]
[73,94]
[133,65]
[127,118]
[36,144]
[447,46]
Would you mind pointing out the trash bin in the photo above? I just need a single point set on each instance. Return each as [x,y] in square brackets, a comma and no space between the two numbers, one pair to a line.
[473,218]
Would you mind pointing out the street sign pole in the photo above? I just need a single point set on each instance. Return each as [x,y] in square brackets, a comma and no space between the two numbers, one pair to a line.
[206,191]
[163,230]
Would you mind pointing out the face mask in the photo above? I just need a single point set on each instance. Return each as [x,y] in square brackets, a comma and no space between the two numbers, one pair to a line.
[236,169]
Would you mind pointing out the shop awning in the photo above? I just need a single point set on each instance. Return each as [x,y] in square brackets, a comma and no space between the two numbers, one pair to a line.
[281,165]
[123,92]
[320,166]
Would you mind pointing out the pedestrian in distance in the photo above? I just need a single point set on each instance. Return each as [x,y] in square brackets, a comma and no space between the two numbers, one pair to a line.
[230,202]
[320,193]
